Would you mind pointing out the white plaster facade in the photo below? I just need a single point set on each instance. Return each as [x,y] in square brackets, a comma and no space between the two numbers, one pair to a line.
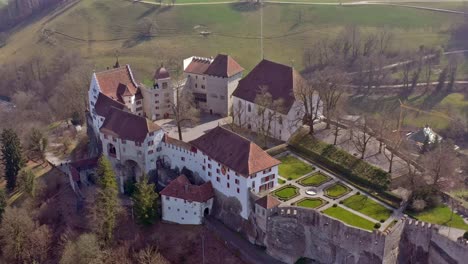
[181,211]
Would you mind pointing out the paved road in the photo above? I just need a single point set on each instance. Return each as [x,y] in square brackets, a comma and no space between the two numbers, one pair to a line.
[249,252]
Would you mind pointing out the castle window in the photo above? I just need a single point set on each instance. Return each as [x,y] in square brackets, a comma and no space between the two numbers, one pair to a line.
[237,190]
[203,86]
[217,170]
[151,134]
[182,158]
[236,181]
[209,166]
[138,144]
[249,108]
[167,198]
[196,85]
[228,185]
[164,85]
[209,173]
[150,152]
[156,102]
[217,179]
[156,95]
[150,143]
[138,102]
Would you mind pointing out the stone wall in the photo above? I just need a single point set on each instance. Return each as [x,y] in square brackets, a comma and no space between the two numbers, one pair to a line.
[422,243]
[297,232]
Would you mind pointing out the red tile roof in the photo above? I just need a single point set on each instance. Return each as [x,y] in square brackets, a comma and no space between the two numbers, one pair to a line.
[116,81]
[183,189]
[198,65]
[128,126]
[224,66]
[268,202]
[161,73]
[104,104]
[234,151]
[279,79]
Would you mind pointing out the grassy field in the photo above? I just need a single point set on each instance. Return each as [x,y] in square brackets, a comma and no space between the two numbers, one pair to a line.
[293,168]
[441,215]
[286,193]
[311,202]
[315,179]
[97,34]
[349,218]
[367,206]
[337,190]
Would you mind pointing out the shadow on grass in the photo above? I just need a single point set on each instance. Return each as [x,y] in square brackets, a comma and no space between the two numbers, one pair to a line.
[245,6]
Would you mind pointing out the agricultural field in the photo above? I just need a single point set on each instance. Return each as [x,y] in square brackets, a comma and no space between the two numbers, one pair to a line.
[91,28]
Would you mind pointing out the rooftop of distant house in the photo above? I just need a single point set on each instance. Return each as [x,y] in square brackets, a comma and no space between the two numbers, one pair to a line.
[277,79]
[117,83]
[221,66]
[182,188]
[268,202]
[234,151]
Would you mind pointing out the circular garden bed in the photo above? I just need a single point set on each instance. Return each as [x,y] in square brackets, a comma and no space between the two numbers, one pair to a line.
[311,203]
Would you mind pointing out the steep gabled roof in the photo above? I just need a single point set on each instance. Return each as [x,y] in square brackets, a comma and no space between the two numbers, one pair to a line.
[234,151]
[104,104]
[183,189]
[114,82]
[268,202]
[279,80]
[128,126]
[223,66]
[198,65]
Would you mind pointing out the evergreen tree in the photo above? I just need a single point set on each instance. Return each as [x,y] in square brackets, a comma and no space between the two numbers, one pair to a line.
[107,202]
[145,201]
[3,202]
[12,156]
[27,182]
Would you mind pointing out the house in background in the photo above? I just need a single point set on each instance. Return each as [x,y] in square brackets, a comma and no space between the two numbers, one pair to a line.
[212,82]
[279,81]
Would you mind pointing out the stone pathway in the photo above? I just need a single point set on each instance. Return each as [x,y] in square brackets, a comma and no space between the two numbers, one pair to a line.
[397,213]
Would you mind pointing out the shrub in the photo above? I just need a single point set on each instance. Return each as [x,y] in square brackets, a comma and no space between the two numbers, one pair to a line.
[418,205]
[358,193]
[382,220]
[289,178]
[465,235]
[341,202]
[377,225]
[335,205]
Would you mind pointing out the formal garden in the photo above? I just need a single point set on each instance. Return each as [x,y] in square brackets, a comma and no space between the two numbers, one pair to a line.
[292,168]
[314,180]
[336,190]
[365,205]
[311,202]
[286,193]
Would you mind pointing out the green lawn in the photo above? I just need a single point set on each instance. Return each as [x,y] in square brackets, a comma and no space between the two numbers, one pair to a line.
[349,218]
[441,215]
[311,202]
[281,181]
[315,179]
[367,206]
[292,167]
[286,193]
[337,190]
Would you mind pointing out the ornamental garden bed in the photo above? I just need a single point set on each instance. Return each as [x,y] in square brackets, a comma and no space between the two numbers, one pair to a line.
[349,218]
[311,203]
[337,190]
[286,193]
[365,205]
[315,179]
[292,168]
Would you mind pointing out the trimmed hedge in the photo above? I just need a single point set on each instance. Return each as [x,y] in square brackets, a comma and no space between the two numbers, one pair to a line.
[345,164]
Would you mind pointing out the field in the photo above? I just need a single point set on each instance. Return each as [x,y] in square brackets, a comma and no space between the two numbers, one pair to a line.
[367,206]
[293,168]
[94,30]
[349,218]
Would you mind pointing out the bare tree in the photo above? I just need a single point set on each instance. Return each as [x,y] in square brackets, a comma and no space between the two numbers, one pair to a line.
[439,165]
[308,98]
[184,109]
[331,87]
[268,111]
[361,135]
